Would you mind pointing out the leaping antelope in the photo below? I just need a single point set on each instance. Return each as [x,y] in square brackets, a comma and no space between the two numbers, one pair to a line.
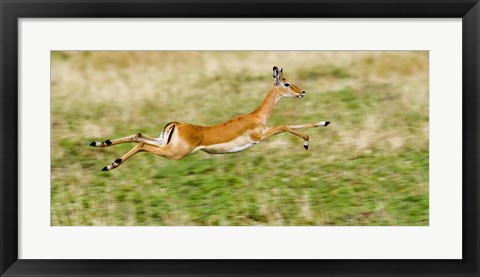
[177,140]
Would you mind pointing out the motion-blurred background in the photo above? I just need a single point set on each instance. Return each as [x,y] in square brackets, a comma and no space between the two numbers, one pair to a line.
[368,167]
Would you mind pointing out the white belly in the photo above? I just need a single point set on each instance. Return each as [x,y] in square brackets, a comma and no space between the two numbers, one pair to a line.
[236,145]
[241,147]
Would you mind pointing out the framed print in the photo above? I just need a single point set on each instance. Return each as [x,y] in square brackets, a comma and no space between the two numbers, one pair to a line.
[221,138]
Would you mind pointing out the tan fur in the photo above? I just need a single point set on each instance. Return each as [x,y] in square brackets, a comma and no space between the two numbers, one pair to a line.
[234,135]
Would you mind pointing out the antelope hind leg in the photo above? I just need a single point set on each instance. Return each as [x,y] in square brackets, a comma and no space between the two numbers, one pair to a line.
[133,138]
[167,151]
[118,162]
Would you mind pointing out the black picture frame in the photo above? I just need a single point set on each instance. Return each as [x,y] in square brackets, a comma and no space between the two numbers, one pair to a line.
[11,11]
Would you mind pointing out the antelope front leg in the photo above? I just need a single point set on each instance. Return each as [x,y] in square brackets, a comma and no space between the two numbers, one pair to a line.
[133,138]
[309,125]
[292,130]
[284,128]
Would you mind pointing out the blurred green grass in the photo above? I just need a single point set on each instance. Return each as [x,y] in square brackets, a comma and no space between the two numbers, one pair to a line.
[369,167]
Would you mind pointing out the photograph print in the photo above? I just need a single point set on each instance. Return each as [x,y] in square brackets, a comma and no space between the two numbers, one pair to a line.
[239,138]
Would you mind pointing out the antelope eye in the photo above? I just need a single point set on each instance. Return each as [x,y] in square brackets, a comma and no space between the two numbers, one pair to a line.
[286,84]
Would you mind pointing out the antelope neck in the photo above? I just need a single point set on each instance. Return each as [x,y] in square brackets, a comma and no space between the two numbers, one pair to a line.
[268,104]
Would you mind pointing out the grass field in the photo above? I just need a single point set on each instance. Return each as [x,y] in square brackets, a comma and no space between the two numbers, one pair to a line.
[368,167]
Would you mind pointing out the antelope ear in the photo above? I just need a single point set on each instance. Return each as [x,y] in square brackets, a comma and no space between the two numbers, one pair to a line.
[281,74]
[277,75]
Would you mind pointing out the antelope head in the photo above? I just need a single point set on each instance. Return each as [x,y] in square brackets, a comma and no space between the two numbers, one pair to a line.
[284,87]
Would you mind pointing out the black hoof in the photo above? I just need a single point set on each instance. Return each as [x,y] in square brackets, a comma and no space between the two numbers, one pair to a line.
[118,161]
[108,142]
[306,147]
[326,123]
[104,168]
[93,143]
